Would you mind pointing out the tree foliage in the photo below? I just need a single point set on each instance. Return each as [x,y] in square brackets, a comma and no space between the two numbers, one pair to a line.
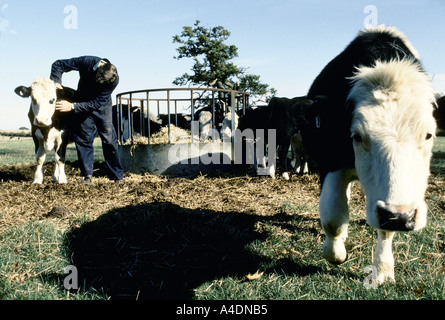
[212,62]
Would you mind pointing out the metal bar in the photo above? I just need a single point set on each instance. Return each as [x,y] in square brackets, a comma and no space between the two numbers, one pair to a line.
[148,117]
[142,118]
[181,89]
[176,112]
[192,110]
[130,119]
[168,115]
[232,109]
[119,117]
[213,109]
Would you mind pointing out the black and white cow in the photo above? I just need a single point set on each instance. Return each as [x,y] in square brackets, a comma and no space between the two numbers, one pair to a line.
[50,128]
[253,143]
[133,123]
[439,115]
[226,128]
[300,158]
[288,117]
[205,126]
[374,123]
[285,116]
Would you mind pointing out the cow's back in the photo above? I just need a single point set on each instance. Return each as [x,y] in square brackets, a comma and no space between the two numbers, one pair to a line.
[367,48]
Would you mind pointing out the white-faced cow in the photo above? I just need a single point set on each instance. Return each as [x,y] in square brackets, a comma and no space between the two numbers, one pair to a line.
[374,122]
[50,130]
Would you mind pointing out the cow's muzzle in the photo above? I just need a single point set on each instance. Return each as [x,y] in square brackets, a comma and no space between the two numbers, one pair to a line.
[396,218]
[42,123]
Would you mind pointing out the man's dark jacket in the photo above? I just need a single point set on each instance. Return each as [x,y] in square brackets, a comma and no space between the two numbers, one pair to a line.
[90,95]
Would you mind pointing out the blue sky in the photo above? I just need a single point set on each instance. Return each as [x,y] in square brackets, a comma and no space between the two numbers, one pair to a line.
[286,42]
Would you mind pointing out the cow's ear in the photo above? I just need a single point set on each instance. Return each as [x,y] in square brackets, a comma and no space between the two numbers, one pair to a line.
[23,91]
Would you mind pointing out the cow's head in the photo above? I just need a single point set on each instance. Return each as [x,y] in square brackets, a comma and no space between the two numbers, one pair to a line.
[392,131]
[43,93]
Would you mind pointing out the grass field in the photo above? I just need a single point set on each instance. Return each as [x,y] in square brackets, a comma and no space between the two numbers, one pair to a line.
[20,150]
[218,236]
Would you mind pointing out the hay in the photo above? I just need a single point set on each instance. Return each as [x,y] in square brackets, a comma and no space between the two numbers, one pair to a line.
[177,135]
[64,204]
[220,191]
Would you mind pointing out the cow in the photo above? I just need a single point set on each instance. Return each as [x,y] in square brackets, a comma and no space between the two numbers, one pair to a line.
[285,116]
[179,120]
[439,115]
[288,117]
[248,136]
[50,129]
[205,126]
[372,120]
[133,123]
[226,129]
[300,160]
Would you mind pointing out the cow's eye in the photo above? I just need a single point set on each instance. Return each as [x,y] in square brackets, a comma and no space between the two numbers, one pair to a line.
[428,136]
[357,138]
[52,101]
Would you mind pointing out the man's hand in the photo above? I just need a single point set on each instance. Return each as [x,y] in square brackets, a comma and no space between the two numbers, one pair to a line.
[64,106]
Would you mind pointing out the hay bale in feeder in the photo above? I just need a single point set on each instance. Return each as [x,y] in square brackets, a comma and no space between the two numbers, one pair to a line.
[176,135]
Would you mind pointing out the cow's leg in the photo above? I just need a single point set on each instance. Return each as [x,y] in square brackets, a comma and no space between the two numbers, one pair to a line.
[282,154]
[40,159]
[260,158]
[248,153]
[59,173]
[296,158]
[270,167]
[334,214]
[255,158]
[304,167]
[383,258]
[271,170]
[271,143]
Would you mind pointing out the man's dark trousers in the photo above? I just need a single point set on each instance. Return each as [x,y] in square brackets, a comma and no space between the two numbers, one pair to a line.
[101,120]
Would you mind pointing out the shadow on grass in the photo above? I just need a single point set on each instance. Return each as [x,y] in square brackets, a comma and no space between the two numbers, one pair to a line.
[162,251]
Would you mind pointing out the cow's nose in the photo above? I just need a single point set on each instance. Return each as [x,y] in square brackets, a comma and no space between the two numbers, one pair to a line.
[42,122]
[396,218]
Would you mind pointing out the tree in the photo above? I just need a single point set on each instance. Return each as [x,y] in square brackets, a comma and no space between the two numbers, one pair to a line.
[260,91]
[212,66]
